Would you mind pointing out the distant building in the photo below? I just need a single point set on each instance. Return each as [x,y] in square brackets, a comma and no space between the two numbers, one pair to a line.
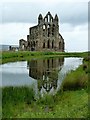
[13,48]
[45,36]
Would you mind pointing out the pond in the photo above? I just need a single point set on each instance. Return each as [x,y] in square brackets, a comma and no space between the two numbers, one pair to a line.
[44,75]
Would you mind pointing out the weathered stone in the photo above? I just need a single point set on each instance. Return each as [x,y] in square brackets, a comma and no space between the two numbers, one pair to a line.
[22,44]
[45,36]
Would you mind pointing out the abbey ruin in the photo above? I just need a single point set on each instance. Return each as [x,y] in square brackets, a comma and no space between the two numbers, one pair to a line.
[45,36]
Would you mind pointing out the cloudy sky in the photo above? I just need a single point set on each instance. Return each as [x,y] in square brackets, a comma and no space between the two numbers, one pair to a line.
[17,17]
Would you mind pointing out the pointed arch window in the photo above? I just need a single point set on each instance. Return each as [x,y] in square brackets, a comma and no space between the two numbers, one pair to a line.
[45,19]
[23,46]
[51,20]
[48,44]
[53,44]
[48,18]
[53,29]
[48,30]
[44,45]
[44,27]
[31,43]
[48,26]
[34,43]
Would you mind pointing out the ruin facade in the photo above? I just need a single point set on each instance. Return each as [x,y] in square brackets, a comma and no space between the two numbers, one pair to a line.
[45,36]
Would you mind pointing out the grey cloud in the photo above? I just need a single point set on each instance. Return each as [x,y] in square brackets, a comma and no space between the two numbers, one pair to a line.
[72,13]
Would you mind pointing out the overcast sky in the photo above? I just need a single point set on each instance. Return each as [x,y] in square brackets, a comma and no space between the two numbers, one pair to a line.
[18,17]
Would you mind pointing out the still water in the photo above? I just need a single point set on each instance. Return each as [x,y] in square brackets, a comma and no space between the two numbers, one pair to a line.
[45,75]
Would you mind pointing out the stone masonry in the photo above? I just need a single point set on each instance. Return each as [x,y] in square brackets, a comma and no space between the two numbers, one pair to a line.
[45,36]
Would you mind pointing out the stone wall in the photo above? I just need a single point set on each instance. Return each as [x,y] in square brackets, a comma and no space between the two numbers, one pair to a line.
[23,44]
[45,36]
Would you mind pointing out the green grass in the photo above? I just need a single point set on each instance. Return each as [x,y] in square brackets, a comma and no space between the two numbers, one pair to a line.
[13,96]
[10,56]
[75,80]
[69,104]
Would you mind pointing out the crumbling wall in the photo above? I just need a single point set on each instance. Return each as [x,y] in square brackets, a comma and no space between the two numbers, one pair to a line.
[22,44]
[45,36]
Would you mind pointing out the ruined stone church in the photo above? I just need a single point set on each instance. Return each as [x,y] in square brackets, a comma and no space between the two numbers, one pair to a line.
[45,36]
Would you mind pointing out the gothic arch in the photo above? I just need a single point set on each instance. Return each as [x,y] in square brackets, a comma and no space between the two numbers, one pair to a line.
[45,19]
[34,43]
[53,29]
[53,44]
[48,44]
[59,45]
[48,18]
[23,46]
[48,27]
[44,27]
[44,45]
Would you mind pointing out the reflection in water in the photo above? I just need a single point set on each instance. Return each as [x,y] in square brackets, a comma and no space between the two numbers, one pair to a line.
[45,71]
[44,75]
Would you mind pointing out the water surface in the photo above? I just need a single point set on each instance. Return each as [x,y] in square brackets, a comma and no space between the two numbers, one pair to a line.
[44,75]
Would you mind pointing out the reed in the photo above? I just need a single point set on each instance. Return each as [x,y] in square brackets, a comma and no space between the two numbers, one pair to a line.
[17,94]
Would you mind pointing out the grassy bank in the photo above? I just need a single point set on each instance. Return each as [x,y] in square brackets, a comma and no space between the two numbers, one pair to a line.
[75,80]
[69,104]
[10,56]
[71,101]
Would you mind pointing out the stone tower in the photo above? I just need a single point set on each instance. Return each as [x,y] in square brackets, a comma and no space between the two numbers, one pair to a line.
[45,36]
